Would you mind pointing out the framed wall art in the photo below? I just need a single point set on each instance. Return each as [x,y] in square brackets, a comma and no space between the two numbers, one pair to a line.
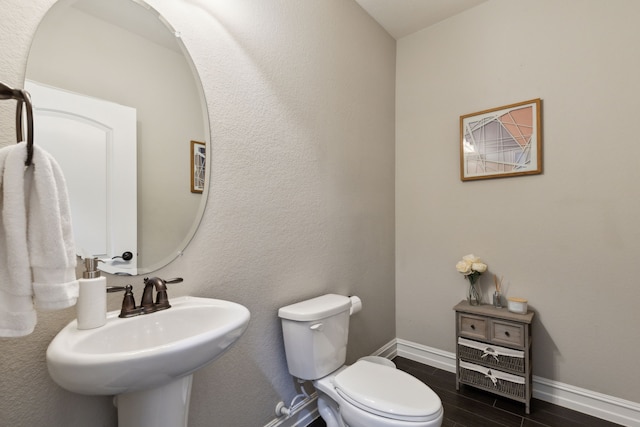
[198,166]
[501,142]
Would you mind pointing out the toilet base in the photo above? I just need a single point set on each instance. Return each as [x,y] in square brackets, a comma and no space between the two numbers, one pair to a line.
[329,411]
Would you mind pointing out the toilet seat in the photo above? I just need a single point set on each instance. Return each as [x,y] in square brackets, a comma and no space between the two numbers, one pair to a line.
[387,392]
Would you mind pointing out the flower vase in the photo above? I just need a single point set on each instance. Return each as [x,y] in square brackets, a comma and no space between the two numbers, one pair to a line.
[474,295]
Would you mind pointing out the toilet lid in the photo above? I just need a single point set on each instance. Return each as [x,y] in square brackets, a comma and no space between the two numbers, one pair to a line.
[387,392]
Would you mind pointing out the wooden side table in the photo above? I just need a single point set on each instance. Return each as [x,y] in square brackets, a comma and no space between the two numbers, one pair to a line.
[493,350]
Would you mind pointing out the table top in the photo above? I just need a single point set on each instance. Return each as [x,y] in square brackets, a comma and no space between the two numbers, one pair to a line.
[491,311]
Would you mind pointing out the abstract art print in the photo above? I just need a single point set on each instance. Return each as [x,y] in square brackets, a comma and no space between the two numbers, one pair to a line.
[198,166]
[501,142]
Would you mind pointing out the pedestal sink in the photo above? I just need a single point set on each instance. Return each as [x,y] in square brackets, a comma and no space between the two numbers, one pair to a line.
[148,360]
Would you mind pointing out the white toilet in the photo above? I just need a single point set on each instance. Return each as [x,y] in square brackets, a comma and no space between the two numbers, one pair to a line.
[369,393]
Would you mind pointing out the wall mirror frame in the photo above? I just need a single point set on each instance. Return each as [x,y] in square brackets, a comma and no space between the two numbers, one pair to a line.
[125,52]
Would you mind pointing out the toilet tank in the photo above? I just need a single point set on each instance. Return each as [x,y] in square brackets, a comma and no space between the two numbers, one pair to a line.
[315,335]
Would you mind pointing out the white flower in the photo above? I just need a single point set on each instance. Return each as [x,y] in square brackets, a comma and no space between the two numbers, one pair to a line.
[471,258]
[471,265]
[463,267]
[480,267]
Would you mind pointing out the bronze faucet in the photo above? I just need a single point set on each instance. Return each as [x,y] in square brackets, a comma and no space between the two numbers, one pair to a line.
[147,305]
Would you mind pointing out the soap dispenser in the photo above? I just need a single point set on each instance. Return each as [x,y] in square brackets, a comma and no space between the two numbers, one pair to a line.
[92,299]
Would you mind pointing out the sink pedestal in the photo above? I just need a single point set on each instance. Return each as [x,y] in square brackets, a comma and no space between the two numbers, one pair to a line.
[163,406]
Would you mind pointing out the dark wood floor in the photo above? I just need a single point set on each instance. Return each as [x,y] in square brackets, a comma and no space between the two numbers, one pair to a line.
[471,407]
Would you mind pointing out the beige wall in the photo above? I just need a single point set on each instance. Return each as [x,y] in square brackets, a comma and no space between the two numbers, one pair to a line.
[567,239]
[301,105]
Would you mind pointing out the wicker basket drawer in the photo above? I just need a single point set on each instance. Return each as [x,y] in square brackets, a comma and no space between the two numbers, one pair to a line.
[491,355]
[473,326]
[492,380]
[507,333]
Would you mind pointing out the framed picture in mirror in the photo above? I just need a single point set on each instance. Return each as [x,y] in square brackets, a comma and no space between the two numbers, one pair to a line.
[501,142]
[198,166]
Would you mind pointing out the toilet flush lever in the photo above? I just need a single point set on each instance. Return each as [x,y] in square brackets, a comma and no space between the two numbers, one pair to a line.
[317,327]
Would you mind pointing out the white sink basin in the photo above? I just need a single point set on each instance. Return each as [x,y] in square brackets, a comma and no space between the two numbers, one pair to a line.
[147,351]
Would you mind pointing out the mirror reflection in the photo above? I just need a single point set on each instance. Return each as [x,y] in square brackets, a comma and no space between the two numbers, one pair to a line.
[130,179]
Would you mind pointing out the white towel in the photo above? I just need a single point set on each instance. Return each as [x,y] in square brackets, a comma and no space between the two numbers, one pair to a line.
[37,254]
[50,236]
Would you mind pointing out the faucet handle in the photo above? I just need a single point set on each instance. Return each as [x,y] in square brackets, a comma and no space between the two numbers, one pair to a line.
[128,303]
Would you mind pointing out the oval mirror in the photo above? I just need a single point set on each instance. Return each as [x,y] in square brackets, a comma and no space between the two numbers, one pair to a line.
[118,103]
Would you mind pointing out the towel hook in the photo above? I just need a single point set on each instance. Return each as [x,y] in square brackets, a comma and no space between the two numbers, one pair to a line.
[23,98]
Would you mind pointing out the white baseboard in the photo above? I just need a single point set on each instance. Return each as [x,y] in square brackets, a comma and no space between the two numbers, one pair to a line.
[599,405]
[427,355]
[389,350]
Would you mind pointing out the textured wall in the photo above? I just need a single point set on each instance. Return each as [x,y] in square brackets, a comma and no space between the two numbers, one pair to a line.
[566,239]
[301,105]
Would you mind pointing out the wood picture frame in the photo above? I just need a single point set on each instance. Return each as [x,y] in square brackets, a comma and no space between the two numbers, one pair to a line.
[502,142]
[198,166]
